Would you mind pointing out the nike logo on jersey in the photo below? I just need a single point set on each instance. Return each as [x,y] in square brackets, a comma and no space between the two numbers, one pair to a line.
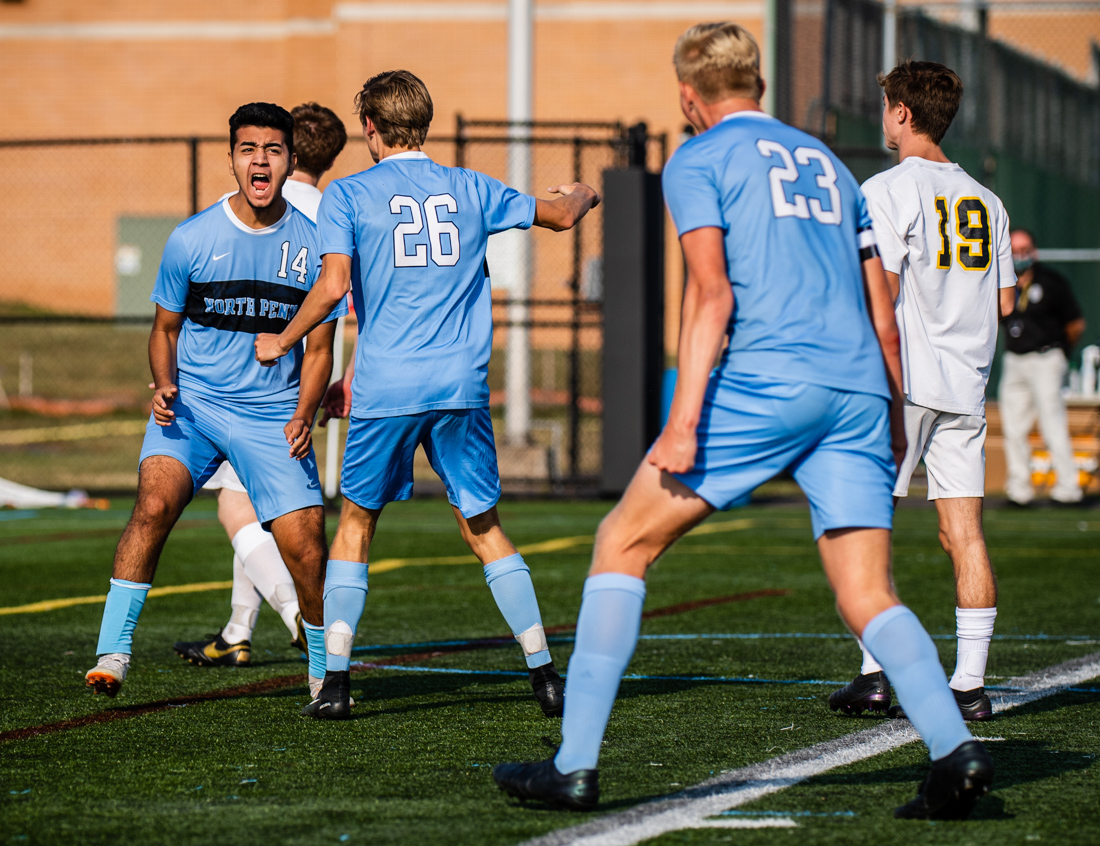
[218,258]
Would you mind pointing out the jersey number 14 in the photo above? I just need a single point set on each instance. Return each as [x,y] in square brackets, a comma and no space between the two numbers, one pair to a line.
[972,227]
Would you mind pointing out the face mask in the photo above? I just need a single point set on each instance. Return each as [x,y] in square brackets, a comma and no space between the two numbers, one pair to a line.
[1022,264]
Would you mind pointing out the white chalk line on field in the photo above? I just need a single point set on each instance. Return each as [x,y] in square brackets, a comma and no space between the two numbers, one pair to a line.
[693,808]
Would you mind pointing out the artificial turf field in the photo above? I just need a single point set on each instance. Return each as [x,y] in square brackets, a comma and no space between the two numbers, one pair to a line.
[187,755]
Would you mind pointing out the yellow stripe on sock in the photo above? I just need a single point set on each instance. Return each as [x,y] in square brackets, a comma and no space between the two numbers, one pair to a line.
[383,566]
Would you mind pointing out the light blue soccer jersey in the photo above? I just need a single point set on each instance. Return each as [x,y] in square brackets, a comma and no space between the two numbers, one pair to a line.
[231,283]
[795,225]
[417,232]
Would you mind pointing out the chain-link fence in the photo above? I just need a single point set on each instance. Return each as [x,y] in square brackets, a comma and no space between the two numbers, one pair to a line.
[86,222]
[1029,124]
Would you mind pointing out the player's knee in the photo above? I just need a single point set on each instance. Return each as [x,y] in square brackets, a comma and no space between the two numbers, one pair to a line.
[607,540]
[620,544]
[155,508]
[945,540]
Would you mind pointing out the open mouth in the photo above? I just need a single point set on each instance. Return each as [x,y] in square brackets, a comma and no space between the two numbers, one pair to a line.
[261,182]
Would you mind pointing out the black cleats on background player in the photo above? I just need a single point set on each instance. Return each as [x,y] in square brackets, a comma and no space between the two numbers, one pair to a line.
[540,780]
[974,704]
[215,652]
[333,702]
[549,689]
[953,785]
[870,692]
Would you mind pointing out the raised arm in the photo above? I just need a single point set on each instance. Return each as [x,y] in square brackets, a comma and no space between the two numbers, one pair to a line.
[708,304]
[316,369]
[564,212]
[162,363]
[880,304]
[332,286]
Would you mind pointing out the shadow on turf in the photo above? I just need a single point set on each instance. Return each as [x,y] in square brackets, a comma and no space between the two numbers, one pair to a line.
[371,688]
[1017,761]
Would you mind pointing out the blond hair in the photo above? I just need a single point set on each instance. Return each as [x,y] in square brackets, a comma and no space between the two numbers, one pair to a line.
[400,106]
[719,60]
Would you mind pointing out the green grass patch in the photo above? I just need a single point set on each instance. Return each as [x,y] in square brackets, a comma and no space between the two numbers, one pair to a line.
[414,765]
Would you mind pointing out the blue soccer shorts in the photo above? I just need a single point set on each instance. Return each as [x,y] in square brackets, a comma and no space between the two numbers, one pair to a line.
[378,458]
[836,445]
[207,432]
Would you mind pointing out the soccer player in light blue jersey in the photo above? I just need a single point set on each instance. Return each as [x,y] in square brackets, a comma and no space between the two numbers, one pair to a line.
[408,237]
[780,257]
[241,267]
[258,570]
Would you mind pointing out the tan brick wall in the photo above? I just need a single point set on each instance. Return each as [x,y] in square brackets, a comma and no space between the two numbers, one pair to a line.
[139,67]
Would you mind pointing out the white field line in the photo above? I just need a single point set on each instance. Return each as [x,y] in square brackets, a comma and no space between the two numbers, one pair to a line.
[693,807]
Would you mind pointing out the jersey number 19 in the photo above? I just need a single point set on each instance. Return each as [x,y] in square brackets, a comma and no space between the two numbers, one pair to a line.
[972,226]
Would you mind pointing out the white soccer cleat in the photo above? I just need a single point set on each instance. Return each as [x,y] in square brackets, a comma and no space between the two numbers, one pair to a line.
[107,676]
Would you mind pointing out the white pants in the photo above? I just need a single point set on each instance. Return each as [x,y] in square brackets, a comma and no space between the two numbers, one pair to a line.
[1031,387]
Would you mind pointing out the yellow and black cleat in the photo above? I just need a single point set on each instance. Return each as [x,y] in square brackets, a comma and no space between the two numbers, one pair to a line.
[300,643]
[215,652]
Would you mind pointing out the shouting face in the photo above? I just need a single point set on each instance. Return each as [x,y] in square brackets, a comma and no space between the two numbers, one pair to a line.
[260,163]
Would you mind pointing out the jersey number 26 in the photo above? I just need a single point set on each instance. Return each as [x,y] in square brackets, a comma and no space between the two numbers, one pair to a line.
[436,230]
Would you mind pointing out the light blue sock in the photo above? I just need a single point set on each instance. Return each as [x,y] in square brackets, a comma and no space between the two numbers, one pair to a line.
[315,640]
[345,598]
[120,615]
[607,632]
[509,579]
[900,644]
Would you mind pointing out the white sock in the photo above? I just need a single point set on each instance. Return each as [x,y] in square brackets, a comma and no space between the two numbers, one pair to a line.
[870,665]
[265,568]
[245,603]
[241,624]
[974,629]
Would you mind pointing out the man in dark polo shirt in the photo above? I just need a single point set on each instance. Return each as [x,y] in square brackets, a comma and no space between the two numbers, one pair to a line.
[1039,335]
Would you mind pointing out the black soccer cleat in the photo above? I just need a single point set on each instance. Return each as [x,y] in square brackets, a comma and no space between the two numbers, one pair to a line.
[540,780]
[974,705]
[953,785]
[333,701]
[549,689]
[215,652]
[870,692]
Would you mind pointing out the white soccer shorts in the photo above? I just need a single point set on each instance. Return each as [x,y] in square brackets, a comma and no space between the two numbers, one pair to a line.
[952,447]
[224,477]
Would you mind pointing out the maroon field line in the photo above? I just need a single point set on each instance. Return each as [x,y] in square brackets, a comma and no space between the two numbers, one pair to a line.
[279,682]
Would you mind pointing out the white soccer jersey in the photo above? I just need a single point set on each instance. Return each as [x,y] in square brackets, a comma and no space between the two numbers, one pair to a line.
[947,238]
[304,197]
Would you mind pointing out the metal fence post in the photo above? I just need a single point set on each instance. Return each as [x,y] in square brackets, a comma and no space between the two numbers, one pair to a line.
[575,333]
[194,144]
